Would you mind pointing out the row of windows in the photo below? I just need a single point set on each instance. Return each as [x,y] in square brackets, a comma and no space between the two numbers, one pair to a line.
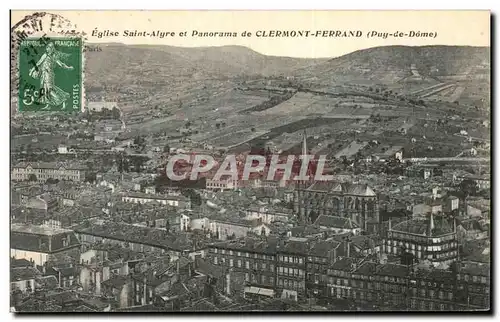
[65,172]
[429,305]
[262,279]
[291,284]
[405,236]
[261,266]
[473,278]
[291,259]
[420,247]
[290,271]
[241,254]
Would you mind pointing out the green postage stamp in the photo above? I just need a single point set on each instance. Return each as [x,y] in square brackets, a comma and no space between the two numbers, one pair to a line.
[50,74]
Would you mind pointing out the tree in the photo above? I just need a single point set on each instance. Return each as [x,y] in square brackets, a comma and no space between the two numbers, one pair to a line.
[217,125]
[252,129]
[115,113]
[32,177]
[468,188]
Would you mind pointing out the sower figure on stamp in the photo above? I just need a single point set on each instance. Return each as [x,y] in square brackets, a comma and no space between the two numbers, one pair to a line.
[50,94]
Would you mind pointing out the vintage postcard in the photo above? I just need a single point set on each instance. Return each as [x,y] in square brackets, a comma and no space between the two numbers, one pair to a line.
[243,161]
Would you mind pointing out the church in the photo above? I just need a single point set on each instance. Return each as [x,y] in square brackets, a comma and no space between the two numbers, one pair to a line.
[357,202]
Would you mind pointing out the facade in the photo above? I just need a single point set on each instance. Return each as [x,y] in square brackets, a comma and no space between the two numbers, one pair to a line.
[41,244]
[255,259]
[99,106]
[354,201]
[221,185]
[292,255]
[392,286]
[47,170]
[425,238]
[320,255]
[171,200]
[235,228]
[267,215]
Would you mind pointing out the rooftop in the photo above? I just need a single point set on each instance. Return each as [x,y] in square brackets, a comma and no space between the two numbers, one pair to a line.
[422,226]
[50,165]
[38,230]
[343,188]
[335,222]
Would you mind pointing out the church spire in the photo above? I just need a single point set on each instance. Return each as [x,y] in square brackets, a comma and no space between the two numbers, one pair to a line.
[431,224]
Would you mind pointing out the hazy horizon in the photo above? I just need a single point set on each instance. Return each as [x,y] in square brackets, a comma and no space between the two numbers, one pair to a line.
[281,56]
[470,28]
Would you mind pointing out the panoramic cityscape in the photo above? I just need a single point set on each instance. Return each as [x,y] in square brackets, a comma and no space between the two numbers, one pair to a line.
[124,206]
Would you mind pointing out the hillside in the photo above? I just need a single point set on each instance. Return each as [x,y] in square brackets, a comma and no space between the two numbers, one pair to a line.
[391,64]
[120,62]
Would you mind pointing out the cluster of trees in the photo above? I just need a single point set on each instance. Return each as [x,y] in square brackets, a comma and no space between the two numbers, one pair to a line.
[131,163]
[104,114]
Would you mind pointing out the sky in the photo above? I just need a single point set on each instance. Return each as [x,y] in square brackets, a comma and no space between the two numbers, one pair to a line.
[471,28]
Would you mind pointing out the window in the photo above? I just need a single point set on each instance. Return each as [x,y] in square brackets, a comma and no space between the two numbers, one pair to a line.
[215,260]
[239,263]
[222,251]
[263,265]
[247,264]
[271,267]
[301,260]
[285,259]
[247,277]
[215,250]
[231,262]
[280,270]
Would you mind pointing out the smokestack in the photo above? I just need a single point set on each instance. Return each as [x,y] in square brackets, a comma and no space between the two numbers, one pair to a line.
[390,224]
[431,224]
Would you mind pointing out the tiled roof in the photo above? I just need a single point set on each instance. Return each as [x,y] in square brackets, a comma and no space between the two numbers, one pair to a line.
[50,165]
[14,263]
[367,268]
[144,235]
[23,274]
[116,282]
[343,188]
[321,248]
[421,226]
[41,239]
[152,196]
[47,282]
[248,244]
[344,264]
[334,222]
[395,270]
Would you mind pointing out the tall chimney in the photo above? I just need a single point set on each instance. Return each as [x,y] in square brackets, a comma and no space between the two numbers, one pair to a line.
[431,224]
